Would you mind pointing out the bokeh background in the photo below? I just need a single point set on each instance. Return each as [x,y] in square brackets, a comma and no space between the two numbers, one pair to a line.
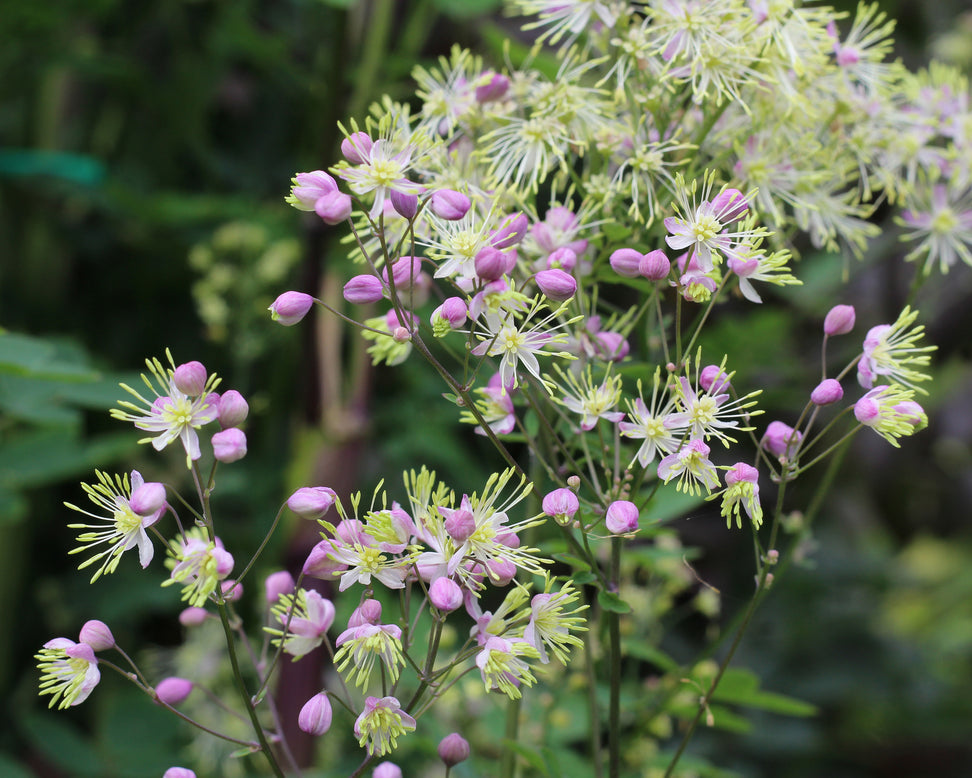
[145,149]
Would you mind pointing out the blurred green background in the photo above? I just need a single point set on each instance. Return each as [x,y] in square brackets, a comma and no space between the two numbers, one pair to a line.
[145,149]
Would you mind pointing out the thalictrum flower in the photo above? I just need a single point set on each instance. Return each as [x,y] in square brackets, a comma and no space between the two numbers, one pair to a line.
[654,424]
[172,414]
[122,528]
[551,622]
[891,351]
[742,489]
[591,401]
[69,672]
[891,412]
[691,465]
[502,668]
[306,618]
[380,725]
[199,564]
[361,646]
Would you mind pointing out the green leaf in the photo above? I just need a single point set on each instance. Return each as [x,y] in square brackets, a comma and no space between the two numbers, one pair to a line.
[610,601]
[10,769]
[530,755]
[740,686]
[467,8]
[63,744]
[582,579]
[639,649]
[575,562]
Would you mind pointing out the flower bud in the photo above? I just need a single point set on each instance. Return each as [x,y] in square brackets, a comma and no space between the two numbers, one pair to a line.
[626,262]
[356,147]
[460,525]
[281,582]
[315,717]
[229,445]
[445,594]
[781,440]
[556,285]
[490,264]
[290,307]
[449,204]
[387,770]
[500,571]
[97,635]
[406,205]
[190,378]
[911,412]
[193,616]
[611,346]
[563,258]
[729,205]
[840,320]
[453,749]
[173,690]
[311,187]
[510,232]
[493,88]
[312,502]
[655,266]
[368,612]
[148,499]
[713,380]
[363,289]
[179,772]
[561,504]
[405,272]
[621,517]
[232,590]
[232,409]
[828,391]
[333,207]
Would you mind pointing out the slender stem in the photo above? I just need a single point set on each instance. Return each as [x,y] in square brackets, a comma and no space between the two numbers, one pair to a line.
[512,734]
[614,639]
[595,724]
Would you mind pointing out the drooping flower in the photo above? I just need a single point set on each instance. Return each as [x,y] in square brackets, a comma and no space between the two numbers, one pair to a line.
[122,528]
[502,668]
[691,465]
[551,622]
[199,564]
[69,672]
[361,646]
[304,620]
[172,415]
[891,412]
[380,725]
[891,351]
[742,489]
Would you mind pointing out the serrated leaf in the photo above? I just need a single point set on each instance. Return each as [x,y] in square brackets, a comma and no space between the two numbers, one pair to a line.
[610,601]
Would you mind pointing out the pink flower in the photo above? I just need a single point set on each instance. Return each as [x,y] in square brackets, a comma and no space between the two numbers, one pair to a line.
[315,715]
[290,307]
[621,517]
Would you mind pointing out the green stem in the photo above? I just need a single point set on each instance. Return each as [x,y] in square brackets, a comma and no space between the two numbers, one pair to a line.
[512,733]
[614,638]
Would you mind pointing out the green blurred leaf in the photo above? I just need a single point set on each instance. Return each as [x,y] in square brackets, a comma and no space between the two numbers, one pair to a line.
[10,769]
[530,755]
[136,735]
[740,686]
[38,457]
[467,8]
[612,602]
[63,744]
[575,562]
[30,163]
[640,649]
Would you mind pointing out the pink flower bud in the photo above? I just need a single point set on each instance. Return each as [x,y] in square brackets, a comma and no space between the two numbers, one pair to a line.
[867,410]
[453,749]
[828,391]
[562,504]
[356,147]
[173,690]
[626,262]
[320,563]
[840,320]
[405,204]
[500,571]
[190,378]
[368,612]
[460,525]
[387,770]
[621,517]
[909,411]
[445,594]
[312,502]
[655,266]
[281,582]
[510,232]
[97,635]
[148,499]
[232,590]
[232,409]
[556,285]
[449,204]
[729,205]
[781,440]
[315,717]
[229,445]
[179,772]
[713,380]
[611,346]
[363,289]
[193,617]
[405,272]
[290,307]
[453,311]
[333,207]
[493,89]
[563,258]
[490,264]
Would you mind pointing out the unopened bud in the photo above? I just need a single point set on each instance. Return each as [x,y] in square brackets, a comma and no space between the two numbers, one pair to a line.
[281,582]
[449,204]
[290,307]
[363,289]
[232,409]
[492,89]
[655,266]
[173,690]
[312,502]
[356,147]
[827,391]
[626,262]
[453,749]
[561,504]
[315,716]
[406,205]
[840,320]
[334,207]
[445,594]
[556,285]
[229,445]
[97,635]
[510,232]
[563,258]
[621,517]
[190,378]
[193,616]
